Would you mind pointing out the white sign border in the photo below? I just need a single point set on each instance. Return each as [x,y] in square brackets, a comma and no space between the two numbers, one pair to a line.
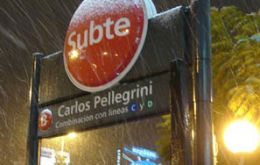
[124,72]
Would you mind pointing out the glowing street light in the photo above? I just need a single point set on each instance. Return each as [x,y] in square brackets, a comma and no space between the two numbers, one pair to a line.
[241,137]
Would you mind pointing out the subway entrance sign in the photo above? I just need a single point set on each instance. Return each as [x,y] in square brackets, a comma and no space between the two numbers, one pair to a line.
[140,82]
[149,79]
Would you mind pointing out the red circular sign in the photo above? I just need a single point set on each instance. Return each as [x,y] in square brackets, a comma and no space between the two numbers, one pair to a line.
[103,41]
[45,120]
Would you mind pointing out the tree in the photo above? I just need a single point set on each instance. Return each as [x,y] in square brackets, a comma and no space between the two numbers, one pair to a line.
[236,60]
[236,71]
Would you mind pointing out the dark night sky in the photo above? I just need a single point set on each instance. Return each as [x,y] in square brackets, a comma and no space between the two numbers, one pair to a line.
[27,26]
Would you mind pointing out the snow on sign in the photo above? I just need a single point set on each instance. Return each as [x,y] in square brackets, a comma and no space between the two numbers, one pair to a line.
[103,41]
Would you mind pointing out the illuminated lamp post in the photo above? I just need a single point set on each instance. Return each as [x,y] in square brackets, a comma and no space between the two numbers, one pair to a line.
[241,136]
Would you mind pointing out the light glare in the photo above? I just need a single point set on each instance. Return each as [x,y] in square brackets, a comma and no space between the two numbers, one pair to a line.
[72,135]
[74,54]
[241,136]
[105,53]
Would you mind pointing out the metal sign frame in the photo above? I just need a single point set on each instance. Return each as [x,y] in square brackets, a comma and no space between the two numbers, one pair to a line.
[184,99]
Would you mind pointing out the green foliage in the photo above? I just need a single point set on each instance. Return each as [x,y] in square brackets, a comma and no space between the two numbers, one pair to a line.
[236,71]
[236,60]
[163,143]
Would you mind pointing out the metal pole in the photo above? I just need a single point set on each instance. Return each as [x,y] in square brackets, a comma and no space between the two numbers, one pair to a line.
[32,142]
[203,87]
[181,113]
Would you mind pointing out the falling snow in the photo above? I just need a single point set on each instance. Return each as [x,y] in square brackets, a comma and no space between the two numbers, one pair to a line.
[28,26]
